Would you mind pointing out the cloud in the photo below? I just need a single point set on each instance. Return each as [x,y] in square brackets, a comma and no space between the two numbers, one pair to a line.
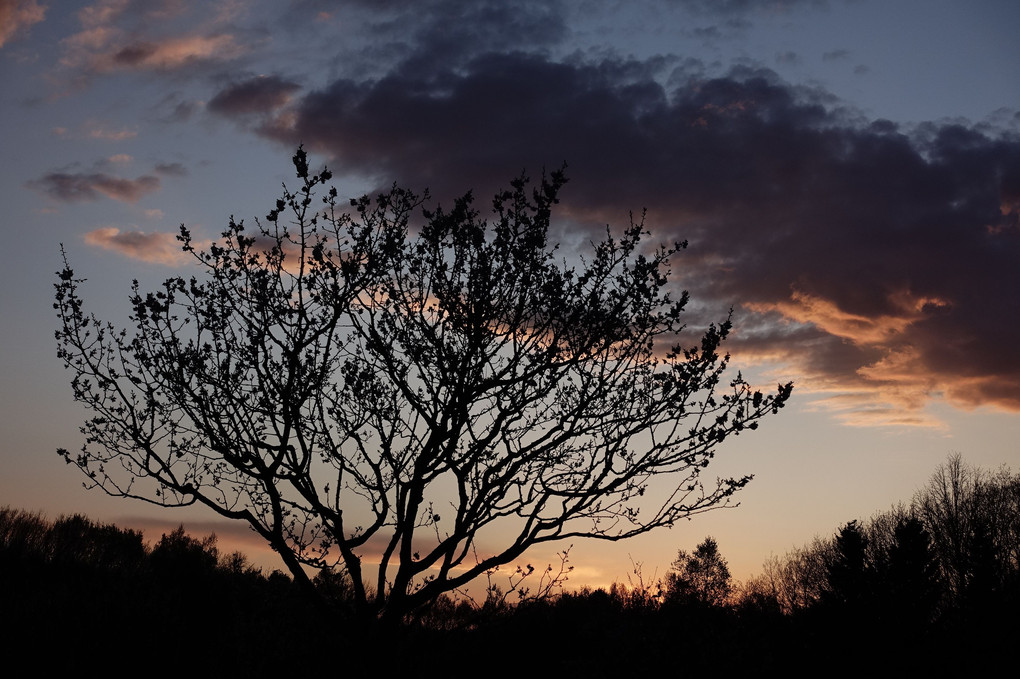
[89,186]
[740,7]
[173,108]
[76,186]
[121,35]
[155,248]
[163,55]
[164,248]
[836,55]
[787,58]
[171,169]
[262,94]
[17,15]
[876,263]
[169,53]
[97,131]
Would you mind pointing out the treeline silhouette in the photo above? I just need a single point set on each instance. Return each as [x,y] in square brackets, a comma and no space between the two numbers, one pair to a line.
[933,583]
[928,586]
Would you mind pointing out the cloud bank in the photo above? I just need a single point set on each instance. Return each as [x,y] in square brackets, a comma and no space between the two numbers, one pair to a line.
[877,264]
[880,264]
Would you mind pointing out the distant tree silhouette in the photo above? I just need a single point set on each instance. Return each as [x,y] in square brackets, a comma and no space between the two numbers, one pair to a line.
[382,403]
[701,577]
[850,581]
[973,517]
[184,556]
[909,576]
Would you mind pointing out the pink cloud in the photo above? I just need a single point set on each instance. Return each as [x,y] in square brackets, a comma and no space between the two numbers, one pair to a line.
[169,53]
[127,35]
[155,248]
[96,131]
[17,15]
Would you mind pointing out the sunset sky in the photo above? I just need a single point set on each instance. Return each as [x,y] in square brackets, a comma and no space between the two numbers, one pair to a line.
[847,173]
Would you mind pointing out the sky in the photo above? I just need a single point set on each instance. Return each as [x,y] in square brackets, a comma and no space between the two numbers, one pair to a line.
[846,172]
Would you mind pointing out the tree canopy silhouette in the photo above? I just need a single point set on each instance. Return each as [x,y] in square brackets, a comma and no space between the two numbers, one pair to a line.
[391,389]
[699,578]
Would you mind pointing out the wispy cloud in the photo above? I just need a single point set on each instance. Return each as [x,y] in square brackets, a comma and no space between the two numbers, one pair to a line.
[171,169]
[17,16]
[97,131]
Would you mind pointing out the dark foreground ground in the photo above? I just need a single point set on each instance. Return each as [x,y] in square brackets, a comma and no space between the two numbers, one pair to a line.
[79,597]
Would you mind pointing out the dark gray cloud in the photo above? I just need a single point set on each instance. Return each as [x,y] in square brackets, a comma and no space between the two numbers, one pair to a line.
[879,263]
[77,186]
[884,259]
[171,169]
[89,186]
[728,8]
[262,94]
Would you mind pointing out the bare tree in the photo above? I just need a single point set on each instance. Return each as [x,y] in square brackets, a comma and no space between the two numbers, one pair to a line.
[392,403]
[973,518]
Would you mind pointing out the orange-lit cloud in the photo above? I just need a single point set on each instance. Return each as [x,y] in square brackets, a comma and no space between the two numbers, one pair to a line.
[858,328]
[163,247]
[867,370]
[155,248]
[17,15]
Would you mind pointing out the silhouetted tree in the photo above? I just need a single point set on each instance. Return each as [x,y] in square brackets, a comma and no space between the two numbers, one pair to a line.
[701,577]
[908,586]
[850,571]
[179,553]
[945,507]
[797,579]
[348,388]
[973,517]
